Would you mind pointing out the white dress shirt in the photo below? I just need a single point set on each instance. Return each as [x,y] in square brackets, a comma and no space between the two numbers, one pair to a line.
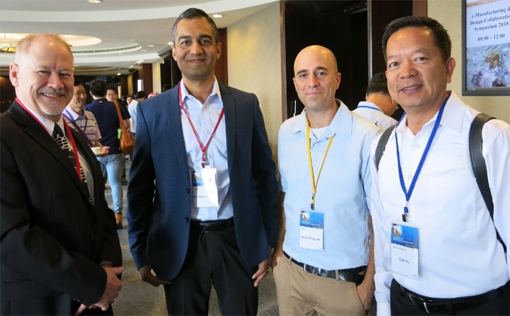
[374,114]
[459,254]
[204,118]
[132,109]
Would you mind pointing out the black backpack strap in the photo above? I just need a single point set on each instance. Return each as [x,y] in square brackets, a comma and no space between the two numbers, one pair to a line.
[479,166]
[382,145]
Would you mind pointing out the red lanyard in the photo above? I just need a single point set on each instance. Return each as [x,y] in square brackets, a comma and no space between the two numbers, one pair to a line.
[202,147]
[69,134]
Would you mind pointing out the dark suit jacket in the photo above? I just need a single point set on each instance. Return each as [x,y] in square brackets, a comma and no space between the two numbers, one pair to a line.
[52,238]
[160,190]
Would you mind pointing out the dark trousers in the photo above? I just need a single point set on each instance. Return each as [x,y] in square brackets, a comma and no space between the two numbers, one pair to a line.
[213,258]
[53,305]
[402,305]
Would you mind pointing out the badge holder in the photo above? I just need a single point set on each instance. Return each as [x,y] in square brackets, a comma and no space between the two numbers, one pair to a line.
[404,250]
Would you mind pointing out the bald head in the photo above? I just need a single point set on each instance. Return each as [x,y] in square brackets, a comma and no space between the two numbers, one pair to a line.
[316,52]
[316,79]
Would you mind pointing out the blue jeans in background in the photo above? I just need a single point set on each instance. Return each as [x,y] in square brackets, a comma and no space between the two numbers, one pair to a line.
[114,165]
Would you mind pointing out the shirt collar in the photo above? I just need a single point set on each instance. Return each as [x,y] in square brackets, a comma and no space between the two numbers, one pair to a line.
[367,103]
[453,115]
[71,114]
[48,124]
[341,123]
[215,91]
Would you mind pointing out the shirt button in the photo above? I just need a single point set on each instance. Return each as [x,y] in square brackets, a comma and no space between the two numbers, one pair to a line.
[187,190]
[92,237]
[186,219]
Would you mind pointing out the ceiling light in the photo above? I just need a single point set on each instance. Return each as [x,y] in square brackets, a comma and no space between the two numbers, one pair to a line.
[95,1]
[150,46]
[118,74]
[217,15]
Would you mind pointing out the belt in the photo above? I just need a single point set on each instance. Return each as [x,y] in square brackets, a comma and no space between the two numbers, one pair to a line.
[348,275]
[210,226]
[430,305]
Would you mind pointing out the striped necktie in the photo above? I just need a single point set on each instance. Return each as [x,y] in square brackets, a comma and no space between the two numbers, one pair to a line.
[58,136]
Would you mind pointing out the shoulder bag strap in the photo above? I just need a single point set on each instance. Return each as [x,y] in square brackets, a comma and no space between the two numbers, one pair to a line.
[479,166]
[381,145]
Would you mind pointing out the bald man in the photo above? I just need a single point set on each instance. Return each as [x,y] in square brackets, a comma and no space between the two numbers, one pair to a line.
[59,249]
[323,260]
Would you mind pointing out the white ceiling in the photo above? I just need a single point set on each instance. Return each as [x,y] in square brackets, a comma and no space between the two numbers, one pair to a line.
[118,23]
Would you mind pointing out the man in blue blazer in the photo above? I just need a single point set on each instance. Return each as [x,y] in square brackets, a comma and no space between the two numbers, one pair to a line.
[202,191]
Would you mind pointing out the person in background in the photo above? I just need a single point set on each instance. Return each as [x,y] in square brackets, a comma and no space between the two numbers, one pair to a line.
[379,105]
[129,98]
[133,107]
[84,122]
[202,192]
[444,258]
[152,94]
[59,250]
[323,262]
[108,122]
[112,96]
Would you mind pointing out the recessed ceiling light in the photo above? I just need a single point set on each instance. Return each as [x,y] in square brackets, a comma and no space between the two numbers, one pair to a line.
[95,1]
[118,74]
[150,46]
[217,15]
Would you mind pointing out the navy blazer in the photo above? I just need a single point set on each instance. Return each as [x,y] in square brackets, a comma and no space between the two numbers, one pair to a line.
[160,190]
[52,239]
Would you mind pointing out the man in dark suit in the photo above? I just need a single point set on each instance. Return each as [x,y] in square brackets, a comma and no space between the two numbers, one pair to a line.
[202,191]
[59,249]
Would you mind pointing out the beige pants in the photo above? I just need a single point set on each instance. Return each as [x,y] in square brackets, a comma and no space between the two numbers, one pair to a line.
[300,293]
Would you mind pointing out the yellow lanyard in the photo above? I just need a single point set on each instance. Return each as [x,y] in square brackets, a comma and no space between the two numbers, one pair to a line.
[314,183]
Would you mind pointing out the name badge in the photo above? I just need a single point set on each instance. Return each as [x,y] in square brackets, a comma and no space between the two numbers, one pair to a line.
[404,250]
[205,190]
[311,230]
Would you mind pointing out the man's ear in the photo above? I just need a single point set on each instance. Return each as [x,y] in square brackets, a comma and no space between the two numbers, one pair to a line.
[13,74]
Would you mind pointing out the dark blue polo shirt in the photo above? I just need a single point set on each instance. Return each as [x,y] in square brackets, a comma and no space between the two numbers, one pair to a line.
[108,122]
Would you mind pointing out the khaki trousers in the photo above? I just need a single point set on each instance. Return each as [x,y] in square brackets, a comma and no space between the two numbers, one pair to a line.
[300,293]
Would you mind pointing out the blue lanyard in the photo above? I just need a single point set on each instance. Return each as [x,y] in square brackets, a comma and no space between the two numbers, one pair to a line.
[420,165]
[368,107]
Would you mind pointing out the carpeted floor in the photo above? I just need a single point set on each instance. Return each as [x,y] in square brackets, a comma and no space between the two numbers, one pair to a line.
[140,298]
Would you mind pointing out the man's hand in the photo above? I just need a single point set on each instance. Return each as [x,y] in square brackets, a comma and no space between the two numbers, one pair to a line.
[149,277]
[113,287]
[263,269]
[366,294]
[261,272]
[277,255]
[106,150]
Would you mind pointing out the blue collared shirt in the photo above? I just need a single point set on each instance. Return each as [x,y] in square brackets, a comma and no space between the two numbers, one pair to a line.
[343,190]
[204,118]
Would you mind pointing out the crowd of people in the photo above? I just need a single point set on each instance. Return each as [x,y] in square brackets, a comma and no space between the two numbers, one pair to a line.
[207,206]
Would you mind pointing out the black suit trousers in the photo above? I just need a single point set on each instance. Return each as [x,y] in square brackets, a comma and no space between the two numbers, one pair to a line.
[213,258]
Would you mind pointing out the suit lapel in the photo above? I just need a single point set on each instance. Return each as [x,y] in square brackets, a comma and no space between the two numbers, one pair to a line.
[174,122]
[37,132]
[229,104]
